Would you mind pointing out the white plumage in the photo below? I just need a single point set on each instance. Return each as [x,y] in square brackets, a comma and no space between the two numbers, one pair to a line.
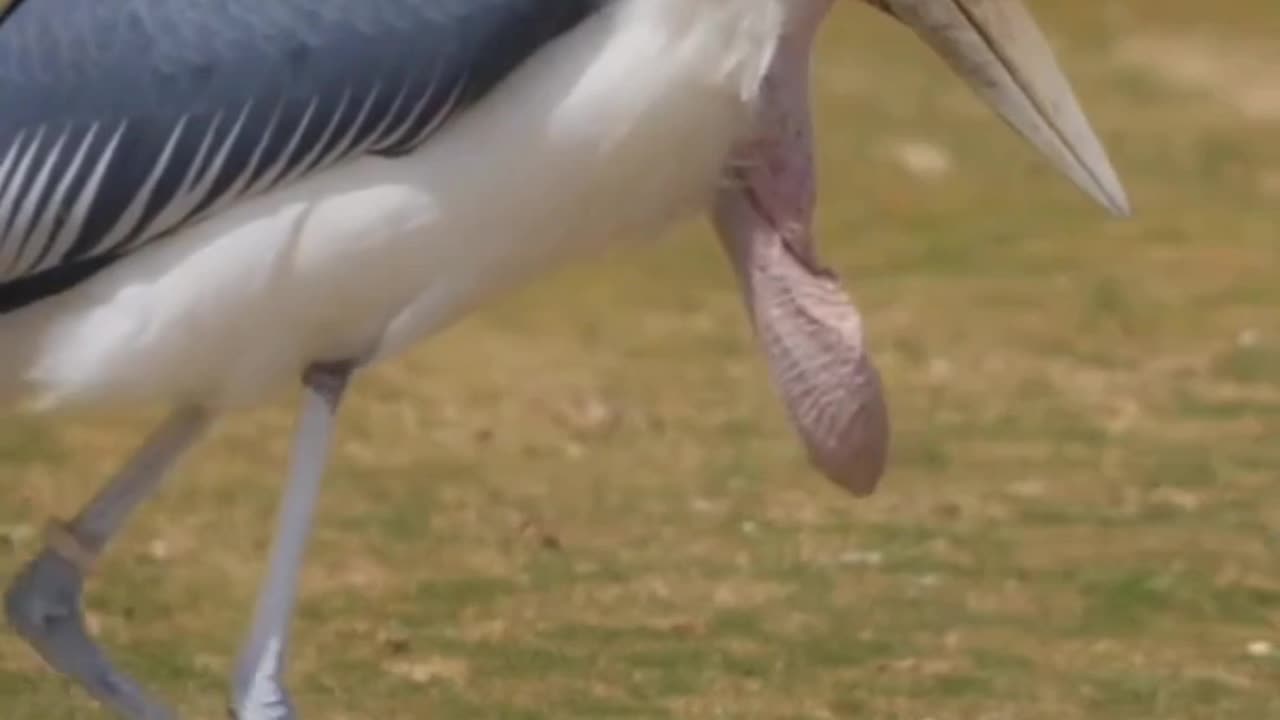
[368,257]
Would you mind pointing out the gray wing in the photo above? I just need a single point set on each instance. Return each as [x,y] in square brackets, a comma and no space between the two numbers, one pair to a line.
[123,120]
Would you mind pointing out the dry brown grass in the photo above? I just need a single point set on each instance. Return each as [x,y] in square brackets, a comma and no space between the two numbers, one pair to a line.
[550,514]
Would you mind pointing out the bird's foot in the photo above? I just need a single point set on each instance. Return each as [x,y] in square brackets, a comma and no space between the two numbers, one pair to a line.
[262,695]
[44,606]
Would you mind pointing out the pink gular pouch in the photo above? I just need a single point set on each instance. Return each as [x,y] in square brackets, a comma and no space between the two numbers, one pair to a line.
[808,327]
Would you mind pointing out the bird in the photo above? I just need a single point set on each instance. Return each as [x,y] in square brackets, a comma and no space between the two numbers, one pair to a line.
[203,200]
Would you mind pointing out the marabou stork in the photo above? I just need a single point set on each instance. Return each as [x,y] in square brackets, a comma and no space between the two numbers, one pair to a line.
[201,199]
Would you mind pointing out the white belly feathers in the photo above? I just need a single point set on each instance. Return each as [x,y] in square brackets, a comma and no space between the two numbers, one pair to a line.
[611,134]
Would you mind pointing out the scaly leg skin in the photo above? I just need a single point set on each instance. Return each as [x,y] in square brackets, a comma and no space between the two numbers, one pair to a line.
[44,602]
[258,692]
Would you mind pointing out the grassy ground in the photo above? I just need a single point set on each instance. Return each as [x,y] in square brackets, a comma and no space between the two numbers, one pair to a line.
[548,513]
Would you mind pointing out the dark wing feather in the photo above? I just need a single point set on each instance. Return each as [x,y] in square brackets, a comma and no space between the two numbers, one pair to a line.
[123,120]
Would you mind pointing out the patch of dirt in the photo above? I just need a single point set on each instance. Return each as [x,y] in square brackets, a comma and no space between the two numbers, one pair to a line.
[924,159]
[428,670]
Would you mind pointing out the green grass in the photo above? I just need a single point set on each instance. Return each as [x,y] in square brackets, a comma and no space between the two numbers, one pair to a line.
[548,513]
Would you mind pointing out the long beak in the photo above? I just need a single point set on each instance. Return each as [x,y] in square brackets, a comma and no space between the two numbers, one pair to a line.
[996,46]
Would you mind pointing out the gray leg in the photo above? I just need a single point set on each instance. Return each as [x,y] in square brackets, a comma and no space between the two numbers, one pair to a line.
[44,602]
[258,692]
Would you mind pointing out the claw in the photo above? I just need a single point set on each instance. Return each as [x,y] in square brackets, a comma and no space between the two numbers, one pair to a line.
[44,606]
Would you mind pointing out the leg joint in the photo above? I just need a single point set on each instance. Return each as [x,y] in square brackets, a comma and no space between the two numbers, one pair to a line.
[61,538]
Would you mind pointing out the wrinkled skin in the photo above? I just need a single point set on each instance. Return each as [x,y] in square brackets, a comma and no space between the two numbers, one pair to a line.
[809,329]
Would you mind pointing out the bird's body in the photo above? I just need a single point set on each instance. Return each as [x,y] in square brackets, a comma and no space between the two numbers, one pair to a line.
[362,259]
[202,199]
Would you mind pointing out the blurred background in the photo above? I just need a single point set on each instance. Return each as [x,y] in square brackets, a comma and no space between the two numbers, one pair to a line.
[586,503]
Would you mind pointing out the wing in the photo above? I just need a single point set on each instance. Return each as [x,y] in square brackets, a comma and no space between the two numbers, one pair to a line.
[123,121]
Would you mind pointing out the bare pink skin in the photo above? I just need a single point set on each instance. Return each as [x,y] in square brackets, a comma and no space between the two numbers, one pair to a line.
[809,329]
